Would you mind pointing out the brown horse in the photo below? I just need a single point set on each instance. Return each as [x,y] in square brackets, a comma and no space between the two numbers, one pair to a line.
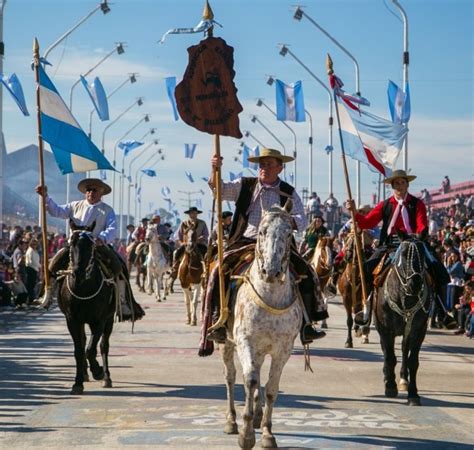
[190,274]
[350,288]
[323,265]
[141,251]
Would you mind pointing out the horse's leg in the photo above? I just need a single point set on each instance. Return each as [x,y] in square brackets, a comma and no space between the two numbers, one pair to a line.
[194,305]
[157,277]
[387,342]
[258,410]
[227,354]
[251,364]
[416,340]
[97,330]
[403,384]
[271,394]
[365,334]
[76,331]
[349,320]
[104,351]
[324,323]
[187,300]
[84,341]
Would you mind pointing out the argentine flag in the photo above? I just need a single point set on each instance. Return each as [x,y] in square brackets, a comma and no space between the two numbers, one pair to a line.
[73,150]
[398,102]
[290,101]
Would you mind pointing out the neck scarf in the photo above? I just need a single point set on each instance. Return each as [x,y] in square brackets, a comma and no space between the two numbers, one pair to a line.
[406,220]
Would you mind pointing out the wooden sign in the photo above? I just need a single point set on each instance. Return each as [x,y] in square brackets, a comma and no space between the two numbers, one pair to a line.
[207,97]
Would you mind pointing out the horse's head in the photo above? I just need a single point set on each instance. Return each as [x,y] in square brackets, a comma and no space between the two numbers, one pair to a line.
[81,251]
[272,252]
[190,238]
[323,251]
[151,233]
[409,262]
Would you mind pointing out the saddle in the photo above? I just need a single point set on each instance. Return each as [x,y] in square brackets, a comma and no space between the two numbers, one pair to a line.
[381,271]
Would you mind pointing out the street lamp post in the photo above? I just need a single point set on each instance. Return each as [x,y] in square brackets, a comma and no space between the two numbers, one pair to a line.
[284,50]
[132,78]
[2,150]
[145,118]
[119,48]
[298,15]
[260,103]
[406,62]
[310,141]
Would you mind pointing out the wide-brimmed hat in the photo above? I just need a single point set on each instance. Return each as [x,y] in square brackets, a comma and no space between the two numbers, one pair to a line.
[270,153]
[399,174]
[193,209]
[145,219]
[93,182]
[226,214]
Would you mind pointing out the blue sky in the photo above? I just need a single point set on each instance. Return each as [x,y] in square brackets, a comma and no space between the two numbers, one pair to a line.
[441,77]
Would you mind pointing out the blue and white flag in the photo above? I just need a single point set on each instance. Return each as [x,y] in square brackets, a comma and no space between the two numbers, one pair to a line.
[399,102]
[149,172]
[190,177]
[370,139]
[205,179]
[328,149]
[245,156]
[235,176]
[202,26]
[128,146]
[103,175]
[73,150]
[165,190]
[98,96]
[170,88]
[290,101]
[129,178]
[13,85]
[189,150]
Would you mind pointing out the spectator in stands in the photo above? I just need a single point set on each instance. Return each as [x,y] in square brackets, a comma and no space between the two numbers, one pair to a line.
[463,310]
[18,259]
[426,197]
[445,185]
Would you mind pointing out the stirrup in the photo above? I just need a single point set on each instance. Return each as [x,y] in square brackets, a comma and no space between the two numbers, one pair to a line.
[309,334]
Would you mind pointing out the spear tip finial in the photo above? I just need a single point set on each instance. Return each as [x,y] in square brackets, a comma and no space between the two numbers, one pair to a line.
[207,14]
[329,66]
[35,45]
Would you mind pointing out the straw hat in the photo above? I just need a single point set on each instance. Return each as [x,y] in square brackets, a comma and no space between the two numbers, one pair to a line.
[399,174]
[270,153]
[93,182]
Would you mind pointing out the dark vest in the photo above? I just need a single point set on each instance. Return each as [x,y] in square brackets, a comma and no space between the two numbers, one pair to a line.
[387,211]
[241,218]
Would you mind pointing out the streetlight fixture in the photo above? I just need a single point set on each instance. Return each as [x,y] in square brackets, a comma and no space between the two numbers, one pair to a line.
[261,103]
[132,78]
[284,50]
[145,118]
[406,62]
[119,48]
[247,134]
[298,15]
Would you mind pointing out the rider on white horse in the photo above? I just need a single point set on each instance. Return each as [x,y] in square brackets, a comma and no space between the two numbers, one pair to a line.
[85,213]
[252,196]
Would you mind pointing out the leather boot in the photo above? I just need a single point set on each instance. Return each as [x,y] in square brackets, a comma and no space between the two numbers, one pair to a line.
[308,333]
[219,335]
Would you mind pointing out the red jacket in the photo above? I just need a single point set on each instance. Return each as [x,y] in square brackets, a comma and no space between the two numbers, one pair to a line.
[376,215]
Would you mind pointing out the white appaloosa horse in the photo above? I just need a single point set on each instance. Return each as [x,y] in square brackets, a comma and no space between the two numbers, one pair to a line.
[267,318]
[156,264]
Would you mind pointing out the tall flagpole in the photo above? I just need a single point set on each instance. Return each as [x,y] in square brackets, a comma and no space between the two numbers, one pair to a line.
[47,288]
[349,193]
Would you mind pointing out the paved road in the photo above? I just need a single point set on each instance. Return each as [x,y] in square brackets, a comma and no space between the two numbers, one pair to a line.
[165,396]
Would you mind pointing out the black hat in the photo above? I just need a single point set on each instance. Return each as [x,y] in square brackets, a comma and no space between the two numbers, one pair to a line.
[226,214]
[145,219]
[192,209]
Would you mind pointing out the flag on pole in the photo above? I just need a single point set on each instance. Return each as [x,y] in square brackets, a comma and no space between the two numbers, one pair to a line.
[98,96]
[245,157]
[13,85]
[170,88]
[235,176]
[128,146]
[336,84]
[189,150]
[370,139]
[205,179]
[201,27]
[190,177]
[290,101]
[73,150]
[165,190]
[149,172]
[138,194]
[399,102]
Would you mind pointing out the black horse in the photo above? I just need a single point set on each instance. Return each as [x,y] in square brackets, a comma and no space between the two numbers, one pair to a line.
[402,307]
[85,296]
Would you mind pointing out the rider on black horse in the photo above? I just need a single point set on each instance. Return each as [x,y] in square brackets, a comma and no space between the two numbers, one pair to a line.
[85,213]
[252,196]
[400,213]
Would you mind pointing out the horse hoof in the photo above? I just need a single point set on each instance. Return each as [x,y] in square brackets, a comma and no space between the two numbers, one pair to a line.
[358,331]
[391,392]
[107,383]
[365,340]
[324,325]
[247,442]
[414,401]
[193,323]
[231,428]
[77,390]
[403,385]
[158,300]
[98,374]
[268,442]
[348,345]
